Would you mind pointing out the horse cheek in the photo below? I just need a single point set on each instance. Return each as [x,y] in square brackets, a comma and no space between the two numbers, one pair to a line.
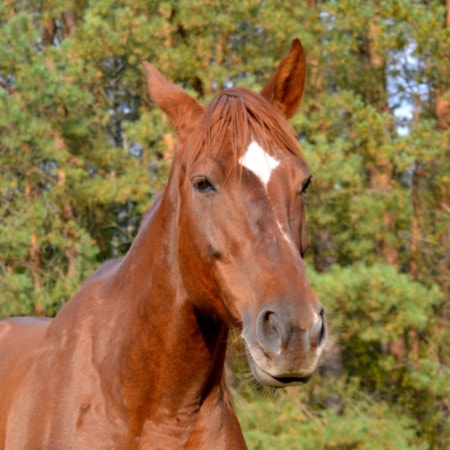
[194,268]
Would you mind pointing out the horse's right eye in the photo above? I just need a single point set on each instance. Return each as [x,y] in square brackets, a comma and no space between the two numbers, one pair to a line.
[202,184]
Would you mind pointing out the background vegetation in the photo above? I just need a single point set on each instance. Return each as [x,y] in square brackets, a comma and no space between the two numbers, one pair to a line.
[83,152]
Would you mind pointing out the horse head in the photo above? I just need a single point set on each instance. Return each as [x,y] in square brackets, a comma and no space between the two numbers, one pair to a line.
[238,186]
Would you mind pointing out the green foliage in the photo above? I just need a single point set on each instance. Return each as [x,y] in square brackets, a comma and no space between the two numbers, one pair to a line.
[286,420]
[83,154]
[376,303]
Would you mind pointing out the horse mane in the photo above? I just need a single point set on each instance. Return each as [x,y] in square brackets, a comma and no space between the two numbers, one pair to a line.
[235,118]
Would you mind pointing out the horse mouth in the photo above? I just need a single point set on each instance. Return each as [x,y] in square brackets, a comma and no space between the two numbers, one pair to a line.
[264,377]
[293,380]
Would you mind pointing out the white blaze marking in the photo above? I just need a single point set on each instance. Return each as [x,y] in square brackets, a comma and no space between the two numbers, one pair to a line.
[258,161]
[287,238]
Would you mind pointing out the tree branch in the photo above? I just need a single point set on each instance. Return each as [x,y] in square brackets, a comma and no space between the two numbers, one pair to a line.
[7,88]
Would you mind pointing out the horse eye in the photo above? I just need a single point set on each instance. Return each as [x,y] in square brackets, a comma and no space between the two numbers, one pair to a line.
[305,184]
[202,184]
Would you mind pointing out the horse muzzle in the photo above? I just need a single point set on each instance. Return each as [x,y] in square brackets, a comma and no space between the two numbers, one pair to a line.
[284,348]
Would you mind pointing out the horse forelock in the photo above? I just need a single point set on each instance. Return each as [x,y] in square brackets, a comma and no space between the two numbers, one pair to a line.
[232,120]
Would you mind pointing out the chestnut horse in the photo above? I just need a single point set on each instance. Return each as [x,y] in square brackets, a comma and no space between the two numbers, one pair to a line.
[135,359]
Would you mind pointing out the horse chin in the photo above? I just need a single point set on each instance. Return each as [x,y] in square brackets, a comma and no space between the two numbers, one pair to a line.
[264,377]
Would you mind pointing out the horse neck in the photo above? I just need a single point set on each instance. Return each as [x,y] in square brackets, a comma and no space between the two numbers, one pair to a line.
[169,356]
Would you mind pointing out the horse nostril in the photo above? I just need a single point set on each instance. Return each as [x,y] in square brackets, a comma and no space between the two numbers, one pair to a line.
[270,323]
[270,332]
[323,328]
[279,330]
[270,328]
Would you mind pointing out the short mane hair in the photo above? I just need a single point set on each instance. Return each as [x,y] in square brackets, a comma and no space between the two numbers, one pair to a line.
[236,117]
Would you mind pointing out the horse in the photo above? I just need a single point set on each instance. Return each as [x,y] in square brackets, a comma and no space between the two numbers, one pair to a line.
[135,360]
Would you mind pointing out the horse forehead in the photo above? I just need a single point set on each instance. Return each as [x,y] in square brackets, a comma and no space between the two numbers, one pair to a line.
[258,161]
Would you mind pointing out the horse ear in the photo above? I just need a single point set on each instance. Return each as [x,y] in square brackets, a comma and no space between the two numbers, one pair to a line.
[285,87]
[181,109]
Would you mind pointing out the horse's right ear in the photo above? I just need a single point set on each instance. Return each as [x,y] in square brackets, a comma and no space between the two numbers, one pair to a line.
[181,109]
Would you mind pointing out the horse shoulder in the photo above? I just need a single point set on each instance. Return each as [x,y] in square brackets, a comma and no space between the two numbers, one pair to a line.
[48,382]
[20,336]
[21,342]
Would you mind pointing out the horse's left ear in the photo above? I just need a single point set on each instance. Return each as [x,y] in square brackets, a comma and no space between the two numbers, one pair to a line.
[285,87]
[181,109]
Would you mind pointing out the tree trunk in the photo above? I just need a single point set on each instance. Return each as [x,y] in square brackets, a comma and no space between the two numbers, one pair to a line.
[442,106]
[381,172]
[442,111]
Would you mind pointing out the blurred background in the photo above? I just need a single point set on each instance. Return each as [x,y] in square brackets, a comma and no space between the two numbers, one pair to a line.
[83,153]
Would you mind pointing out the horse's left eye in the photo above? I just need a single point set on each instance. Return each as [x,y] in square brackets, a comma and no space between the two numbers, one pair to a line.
[305,184]
[202,184]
